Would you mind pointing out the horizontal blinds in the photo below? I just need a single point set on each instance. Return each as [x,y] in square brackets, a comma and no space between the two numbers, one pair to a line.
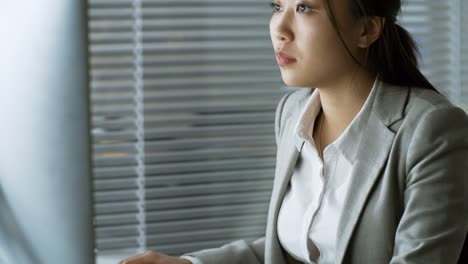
[115,131]
[430,23]
[225,93]
[183,99]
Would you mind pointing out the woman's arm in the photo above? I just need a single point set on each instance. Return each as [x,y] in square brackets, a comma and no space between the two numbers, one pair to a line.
[435,218]
[236,252]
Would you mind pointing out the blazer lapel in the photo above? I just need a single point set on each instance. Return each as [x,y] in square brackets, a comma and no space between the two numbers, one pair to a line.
[364,174]
[388,108]
[287,155]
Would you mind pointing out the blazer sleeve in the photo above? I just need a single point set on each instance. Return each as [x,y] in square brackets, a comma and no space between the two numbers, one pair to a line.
[237,252]
[434,222]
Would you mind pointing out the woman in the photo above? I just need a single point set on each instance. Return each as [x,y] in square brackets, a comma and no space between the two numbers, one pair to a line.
[372,164]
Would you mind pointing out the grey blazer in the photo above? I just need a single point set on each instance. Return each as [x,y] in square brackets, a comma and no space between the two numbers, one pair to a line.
[408,200]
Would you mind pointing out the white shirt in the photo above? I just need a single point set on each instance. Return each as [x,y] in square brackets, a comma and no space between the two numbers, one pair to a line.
[312,206]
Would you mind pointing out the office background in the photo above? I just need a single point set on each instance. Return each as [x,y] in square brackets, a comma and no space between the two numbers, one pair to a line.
[183,98]
[130,125]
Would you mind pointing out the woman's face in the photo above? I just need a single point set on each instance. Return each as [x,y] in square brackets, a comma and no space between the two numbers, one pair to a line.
[307,46]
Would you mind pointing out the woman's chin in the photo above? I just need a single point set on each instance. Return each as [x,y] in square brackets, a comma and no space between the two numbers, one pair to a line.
[294,82]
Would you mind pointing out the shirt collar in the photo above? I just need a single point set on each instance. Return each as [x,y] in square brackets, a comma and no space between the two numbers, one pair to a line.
[305,125]
[348,141]
[351,138]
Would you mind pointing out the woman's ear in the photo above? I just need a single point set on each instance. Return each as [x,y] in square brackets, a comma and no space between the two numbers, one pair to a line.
[371,29]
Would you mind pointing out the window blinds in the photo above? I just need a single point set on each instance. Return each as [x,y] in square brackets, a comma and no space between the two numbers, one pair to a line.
[183,94]
[440,29]
[183,99]
[431,30]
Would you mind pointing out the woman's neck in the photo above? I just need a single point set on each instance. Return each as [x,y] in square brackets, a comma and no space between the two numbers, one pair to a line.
[341,103]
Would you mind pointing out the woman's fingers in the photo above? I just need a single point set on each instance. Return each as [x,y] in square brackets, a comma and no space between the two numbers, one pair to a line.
[154,258]
[143,258]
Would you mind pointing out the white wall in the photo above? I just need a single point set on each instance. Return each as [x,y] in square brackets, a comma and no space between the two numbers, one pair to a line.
[45,194]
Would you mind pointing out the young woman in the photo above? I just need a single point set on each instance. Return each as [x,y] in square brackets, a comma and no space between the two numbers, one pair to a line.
[372,164]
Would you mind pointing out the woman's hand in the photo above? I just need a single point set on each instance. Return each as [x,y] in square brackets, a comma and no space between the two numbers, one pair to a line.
[154,258]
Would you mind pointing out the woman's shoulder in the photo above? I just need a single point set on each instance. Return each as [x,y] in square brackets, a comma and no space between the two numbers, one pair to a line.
[432,130]
[427,99]
[426,102]
[422,102]
[430,117]
[420,115]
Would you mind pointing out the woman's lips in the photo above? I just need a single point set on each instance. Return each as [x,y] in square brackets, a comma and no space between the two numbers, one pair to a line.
[284,59]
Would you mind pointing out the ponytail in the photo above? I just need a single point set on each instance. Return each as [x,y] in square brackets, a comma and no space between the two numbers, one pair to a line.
[394,55]
[394,58]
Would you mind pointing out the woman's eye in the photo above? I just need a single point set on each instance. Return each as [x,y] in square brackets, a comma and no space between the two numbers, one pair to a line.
[276,7]
[303,8]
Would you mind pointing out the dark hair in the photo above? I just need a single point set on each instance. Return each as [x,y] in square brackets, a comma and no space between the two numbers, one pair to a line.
[393,57]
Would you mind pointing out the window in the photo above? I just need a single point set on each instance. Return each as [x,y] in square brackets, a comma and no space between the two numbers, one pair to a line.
[183,98]
[438,29]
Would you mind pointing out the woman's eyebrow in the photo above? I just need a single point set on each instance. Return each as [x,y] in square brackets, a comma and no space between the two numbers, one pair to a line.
[312,2]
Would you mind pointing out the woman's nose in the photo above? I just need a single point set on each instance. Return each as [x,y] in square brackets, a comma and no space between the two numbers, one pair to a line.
[281,28]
